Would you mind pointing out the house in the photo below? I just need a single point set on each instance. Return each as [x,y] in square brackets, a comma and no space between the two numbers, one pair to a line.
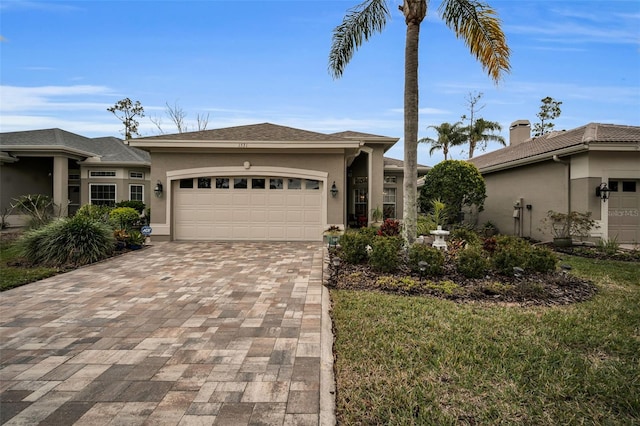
[268,182]
[565,171]
[71,169]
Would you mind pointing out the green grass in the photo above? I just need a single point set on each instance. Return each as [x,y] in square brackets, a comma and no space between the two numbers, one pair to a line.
[14,276]
[419,360]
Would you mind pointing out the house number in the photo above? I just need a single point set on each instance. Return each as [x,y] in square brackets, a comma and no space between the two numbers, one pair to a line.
[242,145]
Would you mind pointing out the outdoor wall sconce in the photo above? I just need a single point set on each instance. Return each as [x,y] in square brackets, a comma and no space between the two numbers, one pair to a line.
[602,191]
[334,190]
[158,189]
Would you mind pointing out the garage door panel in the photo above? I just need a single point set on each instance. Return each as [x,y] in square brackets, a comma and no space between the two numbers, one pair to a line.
[246,214]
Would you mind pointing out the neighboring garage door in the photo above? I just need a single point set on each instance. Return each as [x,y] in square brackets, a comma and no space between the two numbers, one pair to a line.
[624,210]
[248,208]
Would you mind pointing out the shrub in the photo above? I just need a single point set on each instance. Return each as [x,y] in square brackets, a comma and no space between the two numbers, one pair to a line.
[423,253]
[353,245]
[95,212]
[38,207]
[609,247]
[490,245]
[385,253]
[389,228]
[137,205]
[472,263]
[541,260]
[71,241]
[465,234]
[123,217]
[510,252]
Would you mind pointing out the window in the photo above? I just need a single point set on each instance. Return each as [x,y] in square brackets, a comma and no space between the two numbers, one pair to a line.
[389,202]
[102,173]
[613,185]
[222,183]
[628,186]
[204,183]
[275,183]
[136,175]
[136,192]
[312,184]
[74,174]
[102,195]
[186,183]
[360,202]
[294,183]
[360,180]
[258,183]
[389,179]
[240,183]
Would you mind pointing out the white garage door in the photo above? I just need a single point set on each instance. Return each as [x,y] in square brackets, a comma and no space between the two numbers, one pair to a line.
[624,210]
[248,208]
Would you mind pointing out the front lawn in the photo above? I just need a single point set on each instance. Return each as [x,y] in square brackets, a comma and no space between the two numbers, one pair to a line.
[13,271]
[427,360]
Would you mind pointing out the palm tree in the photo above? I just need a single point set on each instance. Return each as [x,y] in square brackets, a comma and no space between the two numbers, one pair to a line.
[476,23]
[482,131]
[448,135]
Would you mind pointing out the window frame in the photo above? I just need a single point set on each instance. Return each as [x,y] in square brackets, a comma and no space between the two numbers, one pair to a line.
[136,185]
[115,193]
[102,174]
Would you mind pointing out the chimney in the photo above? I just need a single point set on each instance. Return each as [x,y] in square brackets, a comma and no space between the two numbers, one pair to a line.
[519,131]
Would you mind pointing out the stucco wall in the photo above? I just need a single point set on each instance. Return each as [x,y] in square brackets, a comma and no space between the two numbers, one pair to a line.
[29,175]
[543,186]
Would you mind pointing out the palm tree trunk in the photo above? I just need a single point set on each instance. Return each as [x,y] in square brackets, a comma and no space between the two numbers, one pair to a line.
[410,210]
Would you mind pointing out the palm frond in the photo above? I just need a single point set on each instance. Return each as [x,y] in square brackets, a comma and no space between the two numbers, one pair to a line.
[359,24]
[479,27]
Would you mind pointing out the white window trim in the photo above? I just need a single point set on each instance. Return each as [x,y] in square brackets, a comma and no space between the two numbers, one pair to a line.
[91,172]
[115,192]
[136,184]
[136,177]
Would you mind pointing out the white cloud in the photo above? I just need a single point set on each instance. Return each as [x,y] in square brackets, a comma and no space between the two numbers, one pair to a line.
[15,98]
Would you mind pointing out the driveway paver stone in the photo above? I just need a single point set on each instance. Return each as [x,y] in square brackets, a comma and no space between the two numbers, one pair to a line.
[178,333]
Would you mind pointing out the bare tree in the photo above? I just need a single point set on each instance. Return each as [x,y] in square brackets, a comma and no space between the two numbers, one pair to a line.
[127,111]
[177,115]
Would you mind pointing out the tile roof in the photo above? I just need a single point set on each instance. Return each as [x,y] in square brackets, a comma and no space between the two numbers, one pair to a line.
[544,147]
[352,134]
[252,132]
[109,149]
[392,162]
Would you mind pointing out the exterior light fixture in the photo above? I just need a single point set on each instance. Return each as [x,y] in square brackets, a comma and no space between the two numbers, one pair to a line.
[334,190]
[158,189]
[422,266]
[602,191]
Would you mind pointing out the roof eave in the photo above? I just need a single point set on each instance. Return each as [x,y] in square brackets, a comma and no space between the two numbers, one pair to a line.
[535,158]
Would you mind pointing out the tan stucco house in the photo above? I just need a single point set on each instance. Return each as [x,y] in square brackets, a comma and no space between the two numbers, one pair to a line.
[563,171]
[71,169]
[268,182]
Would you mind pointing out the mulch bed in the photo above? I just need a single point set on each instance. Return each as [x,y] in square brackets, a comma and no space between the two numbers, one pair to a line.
[559,288]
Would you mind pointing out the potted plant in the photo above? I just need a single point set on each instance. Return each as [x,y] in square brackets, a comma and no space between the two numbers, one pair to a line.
[565,226]
[135,240]
[333,234]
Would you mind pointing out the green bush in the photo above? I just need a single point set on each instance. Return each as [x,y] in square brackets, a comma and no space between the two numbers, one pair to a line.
[541,260]
[123,217]
[71,241]
[472,263]
[137,205]
[353,244]
[511,252]
[95,212]
[465,234]
[423,253]
[385,253]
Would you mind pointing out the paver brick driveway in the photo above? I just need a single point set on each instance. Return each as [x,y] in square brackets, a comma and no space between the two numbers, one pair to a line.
[178,333]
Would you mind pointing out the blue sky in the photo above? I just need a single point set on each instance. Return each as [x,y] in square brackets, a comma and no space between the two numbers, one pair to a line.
[245,62]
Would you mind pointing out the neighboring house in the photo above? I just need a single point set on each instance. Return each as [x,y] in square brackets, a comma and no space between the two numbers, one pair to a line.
[561,171]
[268,182]
[71,169]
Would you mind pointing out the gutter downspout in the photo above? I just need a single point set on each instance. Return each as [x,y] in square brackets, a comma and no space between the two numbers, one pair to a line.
[568,164]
